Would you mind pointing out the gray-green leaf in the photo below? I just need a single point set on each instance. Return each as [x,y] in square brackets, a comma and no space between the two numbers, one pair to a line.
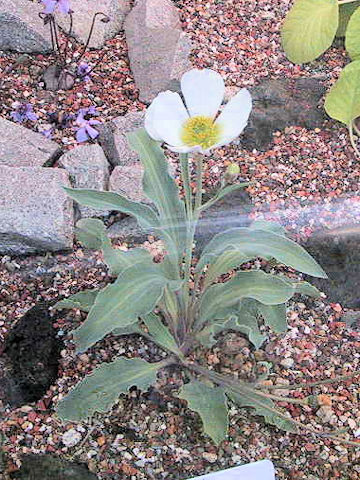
[210,404]
[135,293]
[90,232]
[249,243]
[99,391]
[82,300]
[267,289]
[160,333]
[264,407]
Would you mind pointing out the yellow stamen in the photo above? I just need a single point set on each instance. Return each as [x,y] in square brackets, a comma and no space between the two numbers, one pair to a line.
[200,130]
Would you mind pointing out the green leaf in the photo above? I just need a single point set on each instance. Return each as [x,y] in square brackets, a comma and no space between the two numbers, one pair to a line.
[135,293]
[305,288]
[90,232]
[273,227]
[222,193]
[219,300]
[99,391]
[274,316]
[144,214]
[264,407]
[210,404]
[129,330]
[343,100]
[250,243]
[352,39]
[81,300]
[309,29]
[118,260]
[160,187]
[160,333]
[345,13]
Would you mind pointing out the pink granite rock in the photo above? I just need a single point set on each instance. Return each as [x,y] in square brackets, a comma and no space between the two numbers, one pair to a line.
[35,212]
[158,49]
[127,180]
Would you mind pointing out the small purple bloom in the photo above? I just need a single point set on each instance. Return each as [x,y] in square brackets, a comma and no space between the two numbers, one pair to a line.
[24,111]
[52,5]
[47,133]
[83,71]
[85,131]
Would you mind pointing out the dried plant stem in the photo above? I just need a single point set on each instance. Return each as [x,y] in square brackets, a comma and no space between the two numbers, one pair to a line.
[327,381]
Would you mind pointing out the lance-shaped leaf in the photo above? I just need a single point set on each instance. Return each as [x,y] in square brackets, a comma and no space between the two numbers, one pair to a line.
[274,316]
[210,404]
[82,300]
[160,333]
[160,187]
[135,293]
[343,100]
[305,288]
[90,232]
[309,29]
[264,407]
[219,299]
[273,227]
[352,39]
[99,391]
[259,243]
[222,193]
[144,214]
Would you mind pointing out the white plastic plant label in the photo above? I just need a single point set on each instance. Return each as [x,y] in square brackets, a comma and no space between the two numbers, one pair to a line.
[263,470]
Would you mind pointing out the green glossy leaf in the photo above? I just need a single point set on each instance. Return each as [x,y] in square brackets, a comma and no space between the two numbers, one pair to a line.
[250,243]
[90,232]
[99,391]
[160,187]
[309,29]
[264,407]
[223,192]
[345,13]
[352,39]
[267,289]
[135,293]
[144,214]
[160,333]
[81,300]
[210,404]
[343,100]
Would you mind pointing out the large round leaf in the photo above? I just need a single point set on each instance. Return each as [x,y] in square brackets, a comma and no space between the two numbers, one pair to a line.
[309,29]
[343,101]
[352,39]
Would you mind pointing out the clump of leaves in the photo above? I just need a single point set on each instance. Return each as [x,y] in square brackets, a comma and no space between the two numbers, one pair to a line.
[155,300]
[309,30]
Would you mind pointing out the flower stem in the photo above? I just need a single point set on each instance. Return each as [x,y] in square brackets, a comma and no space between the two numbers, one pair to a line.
[352,139]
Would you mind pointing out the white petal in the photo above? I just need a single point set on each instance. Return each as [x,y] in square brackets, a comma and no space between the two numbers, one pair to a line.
[149,122]
[234,117]
[203,91]
[185,149]
[167,118]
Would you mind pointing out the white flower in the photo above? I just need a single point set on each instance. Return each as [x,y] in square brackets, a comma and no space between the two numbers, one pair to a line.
[196,127]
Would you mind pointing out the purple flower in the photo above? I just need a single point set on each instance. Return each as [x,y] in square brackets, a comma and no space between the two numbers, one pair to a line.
[85,131]
[83,71]
[47,133]
[22,112]
[52,5]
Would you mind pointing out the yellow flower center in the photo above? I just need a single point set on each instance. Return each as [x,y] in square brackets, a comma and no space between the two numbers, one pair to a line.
[200,130]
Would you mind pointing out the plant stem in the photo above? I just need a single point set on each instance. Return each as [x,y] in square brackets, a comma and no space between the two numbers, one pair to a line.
[352,139]
[327,381]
